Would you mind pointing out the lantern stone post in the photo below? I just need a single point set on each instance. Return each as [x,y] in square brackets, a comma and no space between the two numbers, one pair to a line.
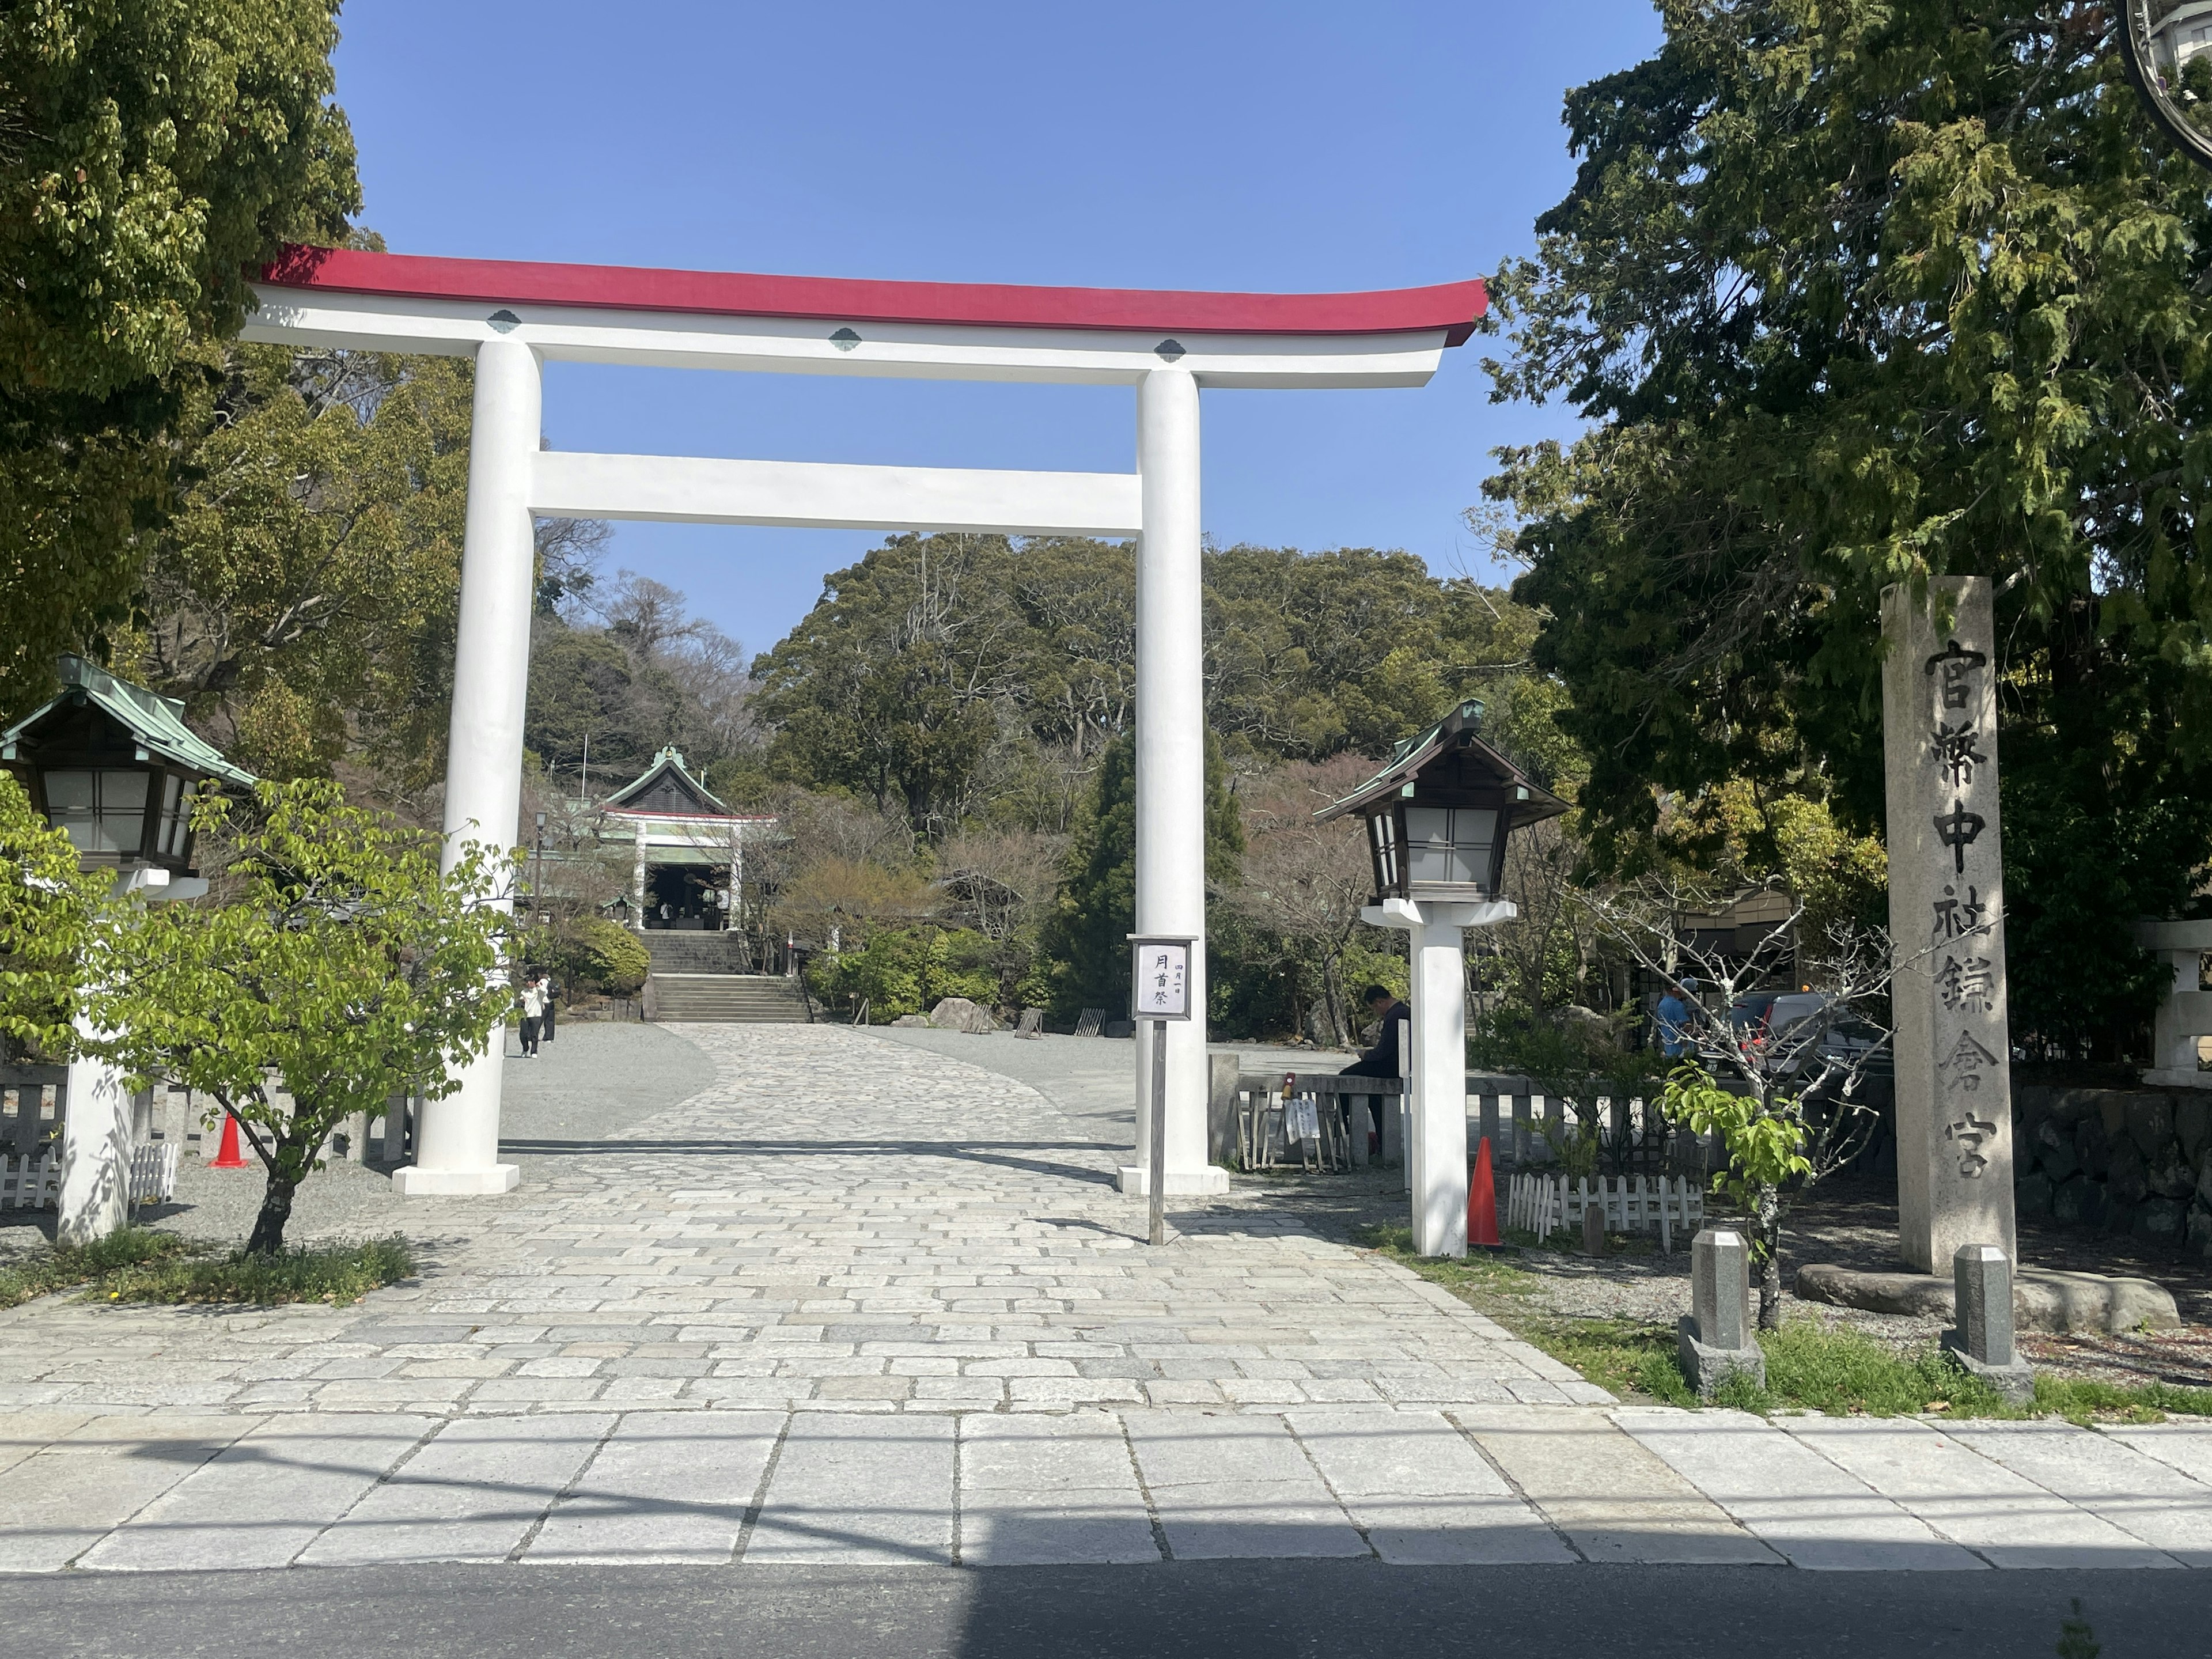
[1947,922]
[1436,1092]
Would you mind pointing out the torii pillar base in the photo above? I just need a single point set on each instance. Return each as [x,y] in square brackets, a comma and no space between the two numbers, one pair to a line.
[1436,1093]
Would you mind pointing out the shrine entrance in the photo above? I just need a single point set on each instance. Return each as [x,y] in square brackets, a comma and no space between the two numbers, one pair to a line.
[511,318]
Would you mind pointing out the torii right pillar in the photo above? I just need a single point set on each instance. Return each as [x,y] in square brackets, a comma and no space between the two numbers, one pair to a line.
[1947,922]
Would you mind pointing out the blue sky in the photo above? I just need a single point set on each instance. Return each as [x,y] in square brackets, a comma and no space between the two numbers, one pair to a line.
[1293,147]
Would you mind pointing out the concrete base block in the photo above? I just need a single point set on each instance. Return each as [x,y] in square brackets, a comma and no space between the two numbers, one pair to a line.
[413,1182]
[1705,1369]
[1181,1183]
[2174,1078]
[2043,1298]
[2016,1382]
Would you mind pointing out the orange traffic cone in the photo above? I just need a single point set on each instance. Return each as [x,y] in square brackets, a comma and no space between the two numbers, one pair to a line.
[227,1154]
[1482,1201]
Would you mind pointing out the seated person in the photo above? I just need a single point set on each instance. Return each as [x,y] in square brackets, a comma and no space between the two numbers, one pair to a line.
[1382,1060]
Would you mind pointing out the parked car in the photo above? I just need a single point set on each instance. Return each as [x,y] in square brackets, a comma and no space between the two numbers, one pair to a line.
[1786,1029]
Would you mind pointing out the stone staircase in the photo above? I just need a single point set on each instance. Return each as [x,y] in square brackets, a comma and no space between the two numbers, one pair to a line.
[695,977]
[695,953]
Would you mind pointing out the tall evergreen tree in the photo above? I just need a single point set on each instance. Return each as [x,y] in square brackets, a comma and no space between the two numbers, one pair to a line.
[1856,292]
[1086,938]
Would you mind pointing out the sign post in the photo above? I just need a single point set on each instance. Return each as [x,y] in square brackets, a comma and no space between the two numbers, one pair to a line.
[1159,991]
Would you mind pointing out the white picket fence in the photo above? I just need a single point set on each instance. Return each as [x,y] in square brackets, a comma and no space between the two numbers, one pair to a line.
[1542,1204]
[28,1183]
[154,1172]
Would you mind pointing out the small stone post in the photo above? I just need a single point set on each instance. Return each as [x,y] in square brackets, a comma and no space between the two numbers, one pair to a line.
[1947,922]
[1982,1344]
[1716,1340]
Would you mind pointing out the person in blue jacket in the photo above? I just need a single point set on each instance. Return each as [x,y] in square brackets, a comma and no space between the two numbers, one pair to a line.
[1678,1018]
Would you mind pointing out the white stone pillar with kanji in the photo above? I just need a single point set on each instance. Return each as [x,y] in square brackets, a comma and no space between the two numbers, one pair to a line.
[1947,921]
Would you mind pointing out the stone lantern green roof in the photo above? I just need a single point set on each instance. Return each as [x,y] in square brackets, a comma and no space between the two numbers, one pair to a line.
[1452,753]
[155,721]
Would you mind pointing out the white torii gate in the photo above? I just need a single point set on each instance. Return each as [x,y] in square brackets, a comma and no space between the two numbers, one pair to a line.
[511,318]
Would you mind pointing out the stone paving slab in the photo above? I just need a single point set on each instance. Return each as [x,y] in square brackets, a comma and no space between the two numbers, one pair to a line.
[2105,1475]
[859,1492]
[1785,1493]
[1613,1499]
[1237,1485]
[2007,1518]
[474,1493]
[263,1499]
[664,1488]
[1050,1491]
[1422,1494]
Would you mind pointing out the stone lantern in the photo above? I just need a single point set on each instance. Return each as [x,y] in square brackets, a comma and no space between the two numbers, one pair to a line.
[1438,815]
[115,766]
[1437,818]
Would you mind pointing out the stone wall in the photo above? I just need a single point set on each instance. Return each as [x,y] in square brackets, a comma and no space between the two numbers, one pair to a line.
[2123,1160]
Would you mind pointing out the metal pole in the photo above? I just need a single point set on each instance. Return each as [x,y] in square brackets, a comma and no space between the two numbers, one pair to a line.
[1157,1176]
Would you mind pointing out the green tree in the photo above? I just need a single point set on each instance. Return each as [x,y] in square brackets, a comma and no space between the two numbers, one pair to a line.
[1086,937]
[47,909]
[302,597]
[345,969]
[1855,293]
[149,154]
[885,688]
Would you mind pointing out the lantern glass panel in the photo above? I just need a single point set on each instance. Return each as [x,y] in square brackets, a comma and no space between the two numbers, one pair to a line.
[1383,846]
[101,811]
[1449,844]
[176,816]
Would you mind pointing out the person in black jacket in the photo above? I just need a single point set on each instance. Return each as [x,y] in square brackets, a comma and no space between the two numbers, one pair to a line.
[1381,1060]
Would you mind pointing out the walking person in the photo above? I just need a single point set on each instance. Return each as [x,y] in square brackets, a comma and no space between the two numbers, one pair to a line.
[533,1007]
[549,997]
[1678,1018]
[1382,1060]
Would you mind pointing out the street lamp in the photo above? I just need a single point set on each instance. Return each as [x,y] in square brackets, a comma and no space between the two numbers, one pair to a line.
[115,767]
[2166,45]
[1438,815]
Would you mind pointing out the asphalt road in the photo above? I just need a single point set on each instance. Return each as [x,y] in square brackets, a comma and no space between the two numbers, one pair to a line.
[1205,1610]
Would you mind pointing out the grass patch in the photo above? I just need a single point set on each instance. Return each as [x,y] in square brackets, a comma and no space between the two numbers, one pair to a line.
[1834,1370]
[126,1250]
[335,1273]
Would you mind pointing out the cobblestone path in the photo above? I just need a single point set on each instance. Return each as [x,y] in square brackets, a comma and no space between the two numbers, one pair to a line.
[861,1302]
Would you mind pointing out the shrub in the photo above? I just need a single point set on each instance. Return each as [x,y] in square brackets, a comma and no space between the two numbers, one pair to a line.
[907,970]
[606,954]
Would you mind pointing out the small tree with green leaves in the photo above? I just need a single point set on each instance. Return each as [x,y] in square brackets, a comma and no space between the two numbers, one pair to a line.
[1785,1098]
[346,969]
[47,909]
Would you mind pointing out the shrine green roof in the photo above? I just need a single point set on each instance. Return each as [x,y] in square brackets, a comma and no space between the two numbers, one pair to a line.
[157,722]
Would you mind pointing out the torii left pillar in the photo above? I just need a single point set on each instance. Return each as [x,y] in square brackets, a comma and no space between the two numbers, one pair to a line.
[1171,767]
[1436,1093]
[458,1149]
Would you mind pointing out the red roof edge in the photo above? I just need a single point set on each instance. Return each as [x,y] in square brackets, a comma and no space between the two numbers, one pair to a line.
[1455,307]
